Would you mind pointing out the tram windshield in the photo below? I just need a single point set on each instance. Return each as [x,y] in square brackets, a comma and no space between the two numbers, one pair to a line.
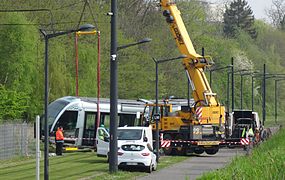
[53,110]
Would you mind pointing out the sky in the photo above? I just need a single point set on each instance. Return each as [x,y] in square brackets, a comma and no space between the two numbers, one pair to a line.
[257,6]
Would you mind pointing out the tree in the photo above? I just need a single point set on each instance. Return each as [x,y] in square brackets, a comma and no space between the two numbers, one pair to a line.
[239,16]
[276,13]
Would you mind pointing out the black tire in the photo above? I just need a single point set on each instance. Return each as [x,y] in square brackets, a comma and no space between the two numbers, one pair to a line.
[198,151]
[212,151]
[167,151]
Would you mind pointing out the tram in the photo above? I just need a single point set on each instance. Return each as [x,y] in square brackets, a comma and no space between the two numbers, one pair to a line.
[78,117]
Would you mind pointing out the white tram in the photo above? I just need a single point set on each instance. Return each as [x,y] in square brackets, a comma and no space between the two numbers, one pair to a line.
[78,117]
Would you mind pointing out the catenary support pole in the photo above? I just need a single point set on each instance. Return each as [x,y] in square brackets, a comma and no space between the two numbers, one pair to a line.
[46,145]
[263,94]
[233,84]
[252,93]
[113,157]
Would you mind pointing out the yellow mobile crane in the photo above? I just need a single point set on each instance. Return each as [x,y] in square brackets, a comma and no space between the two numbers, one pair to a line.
[198,128]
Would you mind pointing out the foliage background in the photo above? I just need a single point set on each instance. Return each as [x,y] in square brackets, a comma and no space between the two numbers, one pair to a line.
[22,53]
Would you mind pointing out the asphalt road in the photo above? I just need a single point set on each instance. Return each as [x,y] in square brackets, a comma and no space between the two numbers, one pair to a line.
[195,166]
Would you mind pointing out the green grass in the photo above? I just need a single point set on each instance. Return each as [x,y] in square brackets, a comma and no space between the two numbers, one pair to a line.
[266,162]
[77,165]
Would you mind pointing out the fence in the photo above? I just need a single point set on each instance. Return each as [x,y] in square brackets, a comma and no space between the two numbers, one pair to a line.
[16,140]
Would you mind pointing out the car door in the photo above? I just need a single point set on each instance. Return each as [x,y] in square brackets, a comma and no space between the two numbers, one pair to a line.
[102,139]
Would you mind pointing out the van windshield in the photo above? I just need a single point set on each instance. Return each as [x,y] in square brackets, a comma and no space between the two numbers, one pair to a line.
[129,134]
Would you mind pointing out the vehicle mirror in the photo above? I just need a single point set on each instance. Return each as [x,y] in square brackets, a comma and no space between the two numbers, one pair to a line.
[145,139]
[106,139]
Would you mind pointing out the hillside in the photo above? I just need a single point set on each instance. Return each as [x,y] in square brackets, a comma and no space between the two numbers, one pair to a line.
[22,53]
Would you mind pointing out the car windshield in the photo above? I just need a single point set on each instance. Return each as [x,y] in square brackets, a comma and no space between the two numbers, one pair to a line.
[132,147]
[129,134]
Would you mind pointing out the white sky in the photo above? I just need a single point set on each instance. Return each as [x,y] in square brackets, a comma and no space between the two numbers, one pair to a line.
[257,6]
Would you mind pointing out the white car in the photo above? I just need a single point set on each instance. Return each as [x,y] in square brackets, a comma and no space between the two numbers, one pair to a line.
[137,155]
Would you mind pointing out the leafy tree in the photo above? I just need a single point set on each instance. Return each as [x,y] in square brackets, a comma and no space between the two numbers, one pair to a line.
[239,16]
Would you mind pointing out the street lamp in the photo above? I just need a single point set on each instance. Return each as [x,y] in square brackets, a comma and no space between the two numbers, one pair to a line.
[113,145]
[145,40]
[157,116]
[47,37]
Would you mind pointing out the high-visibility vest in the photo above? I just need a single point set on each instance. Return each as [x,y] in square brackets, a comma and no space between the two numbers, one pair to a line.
[59,135]
[250,132]
[243,133]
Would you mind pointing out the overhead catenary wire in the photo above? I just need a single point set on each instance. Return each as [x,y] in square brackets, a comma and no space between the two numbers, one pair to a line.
[32,10]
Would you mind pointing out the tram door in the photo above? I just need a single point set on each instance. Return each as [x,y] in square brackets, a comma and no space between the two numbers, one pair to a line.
[90,127]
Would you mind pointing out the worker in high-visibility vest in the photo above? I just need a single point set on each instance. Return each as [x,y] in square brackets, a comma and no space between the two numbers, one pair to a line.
[250,133]
[59,140]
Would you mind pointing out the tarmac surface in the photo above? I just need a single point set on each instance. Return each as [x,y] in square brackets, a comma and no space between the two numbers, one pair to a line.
[195,166]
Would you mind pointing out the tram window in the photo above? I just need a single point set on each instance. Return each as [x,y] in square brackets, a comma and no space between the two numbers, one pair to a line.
[90,120]
[127,119]
[68,121]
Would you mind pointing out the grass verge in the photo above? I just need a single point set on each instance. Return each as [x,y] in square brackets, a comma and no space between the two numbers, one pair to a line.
[266,162]
[78,165]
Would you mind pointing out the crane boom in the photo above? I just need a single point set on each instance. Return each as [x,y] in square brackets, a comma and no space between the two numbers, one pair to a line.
[194,65]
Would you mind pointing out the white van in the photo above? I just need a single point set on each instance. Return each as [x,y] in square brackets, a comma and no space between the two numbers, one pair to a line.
[134,134]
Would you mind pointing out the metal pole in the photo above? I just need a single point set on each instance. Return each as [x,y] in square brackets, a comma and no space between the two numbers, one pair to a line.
[228,92]
[252,94]
[98,81]
[233,90]
[275,101]
[241,90]
[156,112]
[263,94]
[76,64]
[38,152]
[46,163]
[113,158]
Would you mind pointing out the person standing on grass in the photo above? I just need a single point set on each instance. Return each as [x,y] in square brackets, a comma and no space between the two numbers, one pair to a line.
[59,140]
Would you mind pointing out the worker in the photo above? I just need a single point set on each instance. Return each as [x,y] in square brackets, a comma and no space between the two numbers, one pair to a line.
[250,133]
[257,135]
[59,140]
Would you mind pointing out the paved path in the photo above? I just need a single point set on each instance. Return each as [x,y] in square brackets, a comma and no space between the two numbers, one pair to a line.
[195,166]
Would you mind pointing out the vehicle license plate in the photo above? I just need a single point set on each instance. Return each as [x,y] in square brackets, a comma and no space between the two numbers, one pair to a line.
[132,163]
[208,143]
